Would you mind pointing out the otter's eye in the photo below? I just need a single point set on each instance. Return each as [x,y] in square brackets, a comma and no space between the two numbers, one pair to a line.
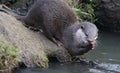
[82,27]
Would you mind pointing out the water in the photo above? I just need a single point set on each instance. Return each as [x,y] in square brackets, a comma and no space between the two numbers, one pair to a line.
[107,53]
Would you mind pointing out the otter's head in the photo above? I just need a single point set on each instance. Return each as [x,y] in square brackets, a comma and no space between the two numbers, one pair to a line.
[80,38]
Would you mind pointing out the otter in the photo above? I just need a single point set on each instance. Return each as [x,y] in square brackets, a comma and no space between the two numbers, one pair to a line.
[60,24]
[80,38]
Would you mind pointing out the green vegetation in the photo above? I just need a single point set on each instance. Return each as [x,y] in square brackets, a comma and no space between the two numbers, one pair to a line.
[83,9]
[8,56]
[43,63]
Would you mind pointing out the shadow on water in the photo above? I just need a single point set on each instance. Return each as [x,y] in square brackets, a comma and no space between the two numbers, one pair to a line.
[106,53]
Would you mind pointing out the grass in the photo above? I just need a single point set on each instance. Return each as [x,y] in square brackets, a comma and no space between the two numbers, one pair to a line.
[83,9]
[8,56]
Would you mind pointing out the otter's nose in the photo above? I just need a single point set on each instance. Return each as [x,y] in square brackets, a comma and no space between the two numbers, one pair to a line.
[90,40]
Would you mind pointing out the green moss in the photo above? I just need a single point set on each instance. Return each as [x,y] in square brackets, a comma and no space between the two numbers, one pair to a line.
[8,56]
[41,61]
[8,49]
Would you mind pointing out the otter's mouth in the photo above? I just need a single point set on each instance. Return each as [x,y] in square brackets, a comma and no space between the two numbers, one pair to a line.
[91,46]
[80,50]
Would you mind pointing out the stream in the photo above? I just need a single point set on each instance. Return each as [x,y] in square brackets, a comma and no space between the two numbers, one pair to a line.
[106,53]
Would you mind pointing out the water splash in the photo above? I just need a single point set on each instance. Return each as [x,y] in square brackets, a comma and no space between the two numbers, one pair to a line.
[96,71]
[112,67]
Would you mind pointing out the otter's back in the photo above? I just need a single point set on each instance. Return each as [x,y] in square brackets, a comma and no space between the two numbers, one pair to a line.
[52,15]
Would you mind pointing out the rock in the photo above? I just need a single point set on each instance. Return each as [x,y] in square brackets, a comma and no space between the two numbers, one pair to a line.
[108,14]
[34,48]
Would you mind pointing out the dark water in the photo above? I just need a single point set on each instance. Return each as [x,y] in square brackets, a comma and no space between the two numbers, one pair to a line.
[107,53]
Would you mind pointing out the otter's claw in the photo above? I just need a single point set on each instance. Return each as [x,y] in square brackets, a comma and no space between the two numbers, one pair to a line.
[57,42]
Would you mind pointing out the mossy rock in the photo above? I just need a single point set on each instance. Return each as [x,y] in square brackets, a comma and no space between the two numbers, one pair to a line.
[33,47]
[8,56]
